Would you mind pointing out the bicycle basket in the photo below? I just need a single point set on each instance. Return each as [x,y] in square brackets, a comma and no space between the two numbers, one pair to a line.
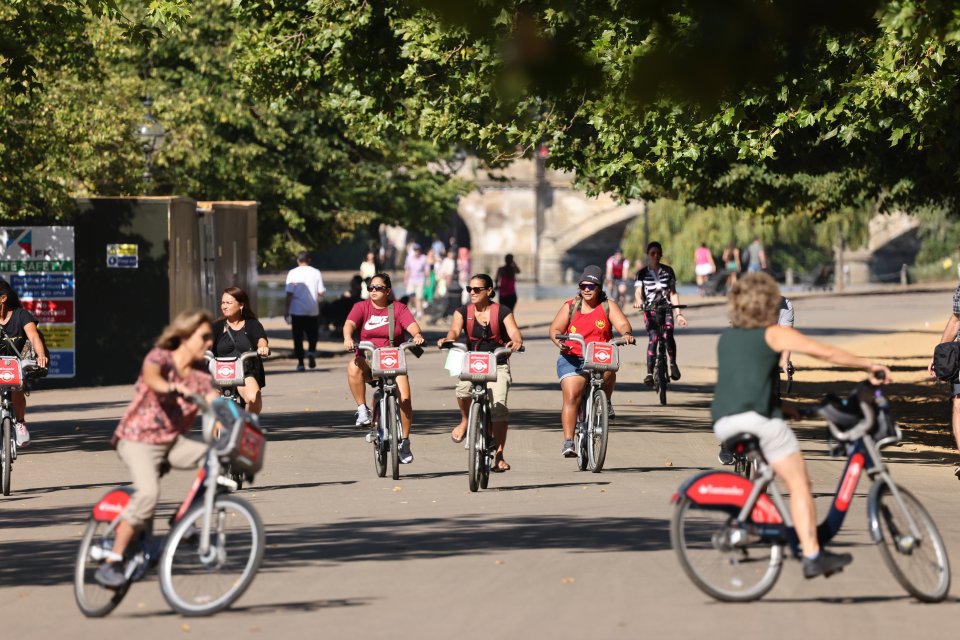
[226,372]
[388,362]
[601,356]
[11,375]
[241,441]
[479,366]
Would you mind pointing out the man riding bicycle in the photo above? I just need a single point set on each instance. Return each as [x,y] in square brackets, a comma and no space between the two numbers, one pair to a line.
[618,269]
[656,285]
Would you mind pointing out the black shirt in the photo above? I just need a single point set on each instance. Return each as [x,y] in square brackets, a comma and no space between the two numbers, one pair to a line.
[16,329]
[244,339]
[482,338]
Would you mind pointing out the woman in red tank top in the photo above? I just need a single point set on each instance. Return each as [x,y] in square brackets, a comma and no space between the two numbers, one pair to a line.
[591,315]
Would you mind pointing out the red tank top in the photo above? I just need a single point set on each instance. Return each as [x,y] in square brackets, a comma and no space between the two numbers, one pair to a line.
[594,326]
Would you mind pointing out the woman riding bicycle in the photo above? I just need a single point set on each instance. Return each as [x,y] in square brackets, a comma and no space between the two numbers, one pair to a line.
[589,314]
[744,401]
[237,332]
[487,326]
[657,285]
[19,326]
[155,424]
[373,318]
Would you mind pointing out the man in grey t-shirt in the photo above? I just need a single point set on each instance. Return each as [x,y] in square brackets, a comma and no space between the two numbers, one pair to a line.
[757,257]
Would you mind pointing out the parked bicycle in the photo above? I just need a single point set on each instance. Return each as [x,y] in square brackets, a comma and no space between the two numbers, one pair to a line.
[731,536]
[228,374]
[14,374]
[592,432]
[386,363]
[661,371]
[479,367]
[216,540]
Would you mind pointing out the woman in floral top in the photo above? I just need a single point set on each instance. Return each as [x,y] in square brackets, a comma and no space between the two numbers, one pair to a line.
[155,424]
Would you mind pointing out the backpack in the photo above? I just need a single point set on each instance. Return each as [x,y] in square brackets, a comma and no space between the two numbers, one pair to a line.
[494,322]
[946,361]
[579,304]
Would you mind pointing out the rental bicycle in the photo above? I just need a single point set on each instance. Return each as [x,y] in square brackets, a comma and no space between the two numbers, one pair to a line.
[592,433]
[386,363]
[228,373]
[661,372]
[14,374]
[731,535]
[479,367]
[216,540]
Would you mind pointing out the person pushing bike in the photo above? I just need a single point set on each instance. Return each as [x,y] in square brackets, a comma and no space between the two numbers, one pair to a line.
[487,326]
[748,358]
[656,284]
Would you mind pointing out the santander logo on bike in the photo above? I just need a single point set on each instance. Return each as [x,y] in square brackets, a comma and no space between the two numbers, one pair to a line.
[715,490]
[602,354]
[389,358]
[226,370]
[479,364]
[9,372]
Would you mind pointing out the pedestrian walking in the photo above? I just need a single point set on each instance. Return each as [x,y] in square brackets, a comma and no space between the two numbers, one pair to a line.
[950,334]
[731,263]
[506,282]
[304,292]
[415,278]
[756,257]
[367,270]
[704,266]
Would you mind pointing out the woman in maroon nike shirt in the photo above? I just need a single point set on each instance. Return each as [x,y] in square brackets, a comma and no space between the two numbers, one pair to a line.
[372,317]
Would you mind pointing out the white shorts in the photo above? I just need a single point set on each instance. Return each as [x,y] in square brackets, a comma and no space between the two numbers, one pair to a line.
[777,440]
[703,269]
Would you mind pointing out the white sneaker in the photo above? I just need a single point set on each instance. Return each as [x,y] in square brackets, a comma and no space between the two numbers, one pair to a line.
[363,415]
[23,436]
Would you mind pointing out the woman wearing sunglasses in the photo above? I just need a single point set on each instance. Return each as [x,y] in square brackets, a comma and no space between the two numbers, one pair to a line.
[373,318]
[591,315]
[488,326]
[155,425]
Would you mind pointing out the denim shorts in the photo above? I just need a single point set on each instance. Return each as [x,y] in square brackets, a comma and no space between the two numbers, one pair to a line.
[569,365]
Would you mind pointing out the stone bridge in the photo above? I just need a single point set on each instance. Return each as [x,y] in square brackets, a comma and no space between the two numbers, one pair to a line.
[553,230]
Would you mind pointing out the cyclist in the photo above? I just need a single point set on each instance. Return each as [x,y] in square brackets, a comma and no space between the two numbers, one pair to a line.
[373,318]
[657,284]
[20,327]
[589,314]
[155,425]
[617,269]
[487,326]
[784,319]
[236,332]
[748,357]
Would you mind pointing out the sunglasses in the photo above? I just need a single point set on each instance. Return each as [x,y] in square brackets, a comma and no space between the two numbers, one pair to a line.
[586,286]
[207,337]
[378,287]
[476,289]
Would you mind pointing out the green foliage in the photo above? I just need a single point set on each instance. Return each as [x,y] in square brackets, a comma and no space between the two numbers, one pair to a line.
[774,107]
[795,241]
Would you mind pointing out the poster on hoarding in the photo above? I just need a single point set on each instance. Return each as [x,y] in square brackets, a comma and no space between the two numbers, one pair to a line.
[38,262]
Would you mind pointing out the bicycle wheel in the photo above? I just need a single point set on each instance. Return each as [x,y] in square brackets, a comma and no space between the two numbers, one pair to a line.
[719,569]
[597,432]
[920,566]
[93,600]
[6,455]
[485,455]
[474,446]
[393,424]
[197,586]
[379,443]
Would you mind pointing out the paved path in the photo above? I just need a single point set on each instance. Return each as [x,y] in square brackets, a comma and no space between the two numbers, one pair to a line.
[546,552]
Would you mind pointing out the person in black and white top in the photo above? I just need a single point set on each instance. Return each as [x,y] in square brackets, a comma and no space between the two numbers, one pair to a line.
[656,284]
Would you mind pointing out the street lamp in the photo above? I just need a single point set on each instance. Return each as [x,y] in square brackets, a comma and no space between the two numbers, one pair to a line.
[151,134]
[454,290]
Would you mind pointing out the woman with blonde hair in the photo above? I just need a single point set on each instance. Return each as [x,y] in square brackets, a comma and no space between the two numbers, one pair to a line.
[748,357]
[155,425]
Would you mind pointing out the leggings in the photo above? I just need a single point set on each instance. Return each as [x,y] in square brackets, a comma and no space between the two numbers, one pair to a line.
[657,333]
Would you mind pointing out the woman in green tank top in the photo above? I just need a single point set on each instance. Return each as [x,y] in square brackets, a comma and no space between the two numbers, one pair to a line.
[745,399]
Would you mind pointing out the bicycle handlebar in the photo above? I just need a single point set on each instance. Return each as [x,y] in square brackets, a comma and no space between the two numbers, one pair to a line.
[497,353]
[409,345]
[243,357]
[576,337]
[865,392]
[662,306]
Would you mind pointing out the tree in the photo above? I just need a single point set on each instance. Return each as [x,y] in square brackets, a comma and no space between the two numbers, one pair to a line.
[775,106]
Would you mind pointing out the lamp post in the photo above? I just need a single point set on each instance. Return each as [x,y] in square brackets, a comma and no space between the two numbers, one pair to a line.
[454,290]
[151,134]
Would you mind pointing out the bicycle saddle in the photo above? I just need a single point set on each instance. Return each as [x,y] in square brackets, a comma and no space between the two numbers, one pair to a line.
[742,443]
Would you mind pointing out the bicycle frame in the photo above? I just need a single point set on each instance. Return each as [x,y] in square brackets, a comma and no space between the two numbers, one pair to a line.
[768,517]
